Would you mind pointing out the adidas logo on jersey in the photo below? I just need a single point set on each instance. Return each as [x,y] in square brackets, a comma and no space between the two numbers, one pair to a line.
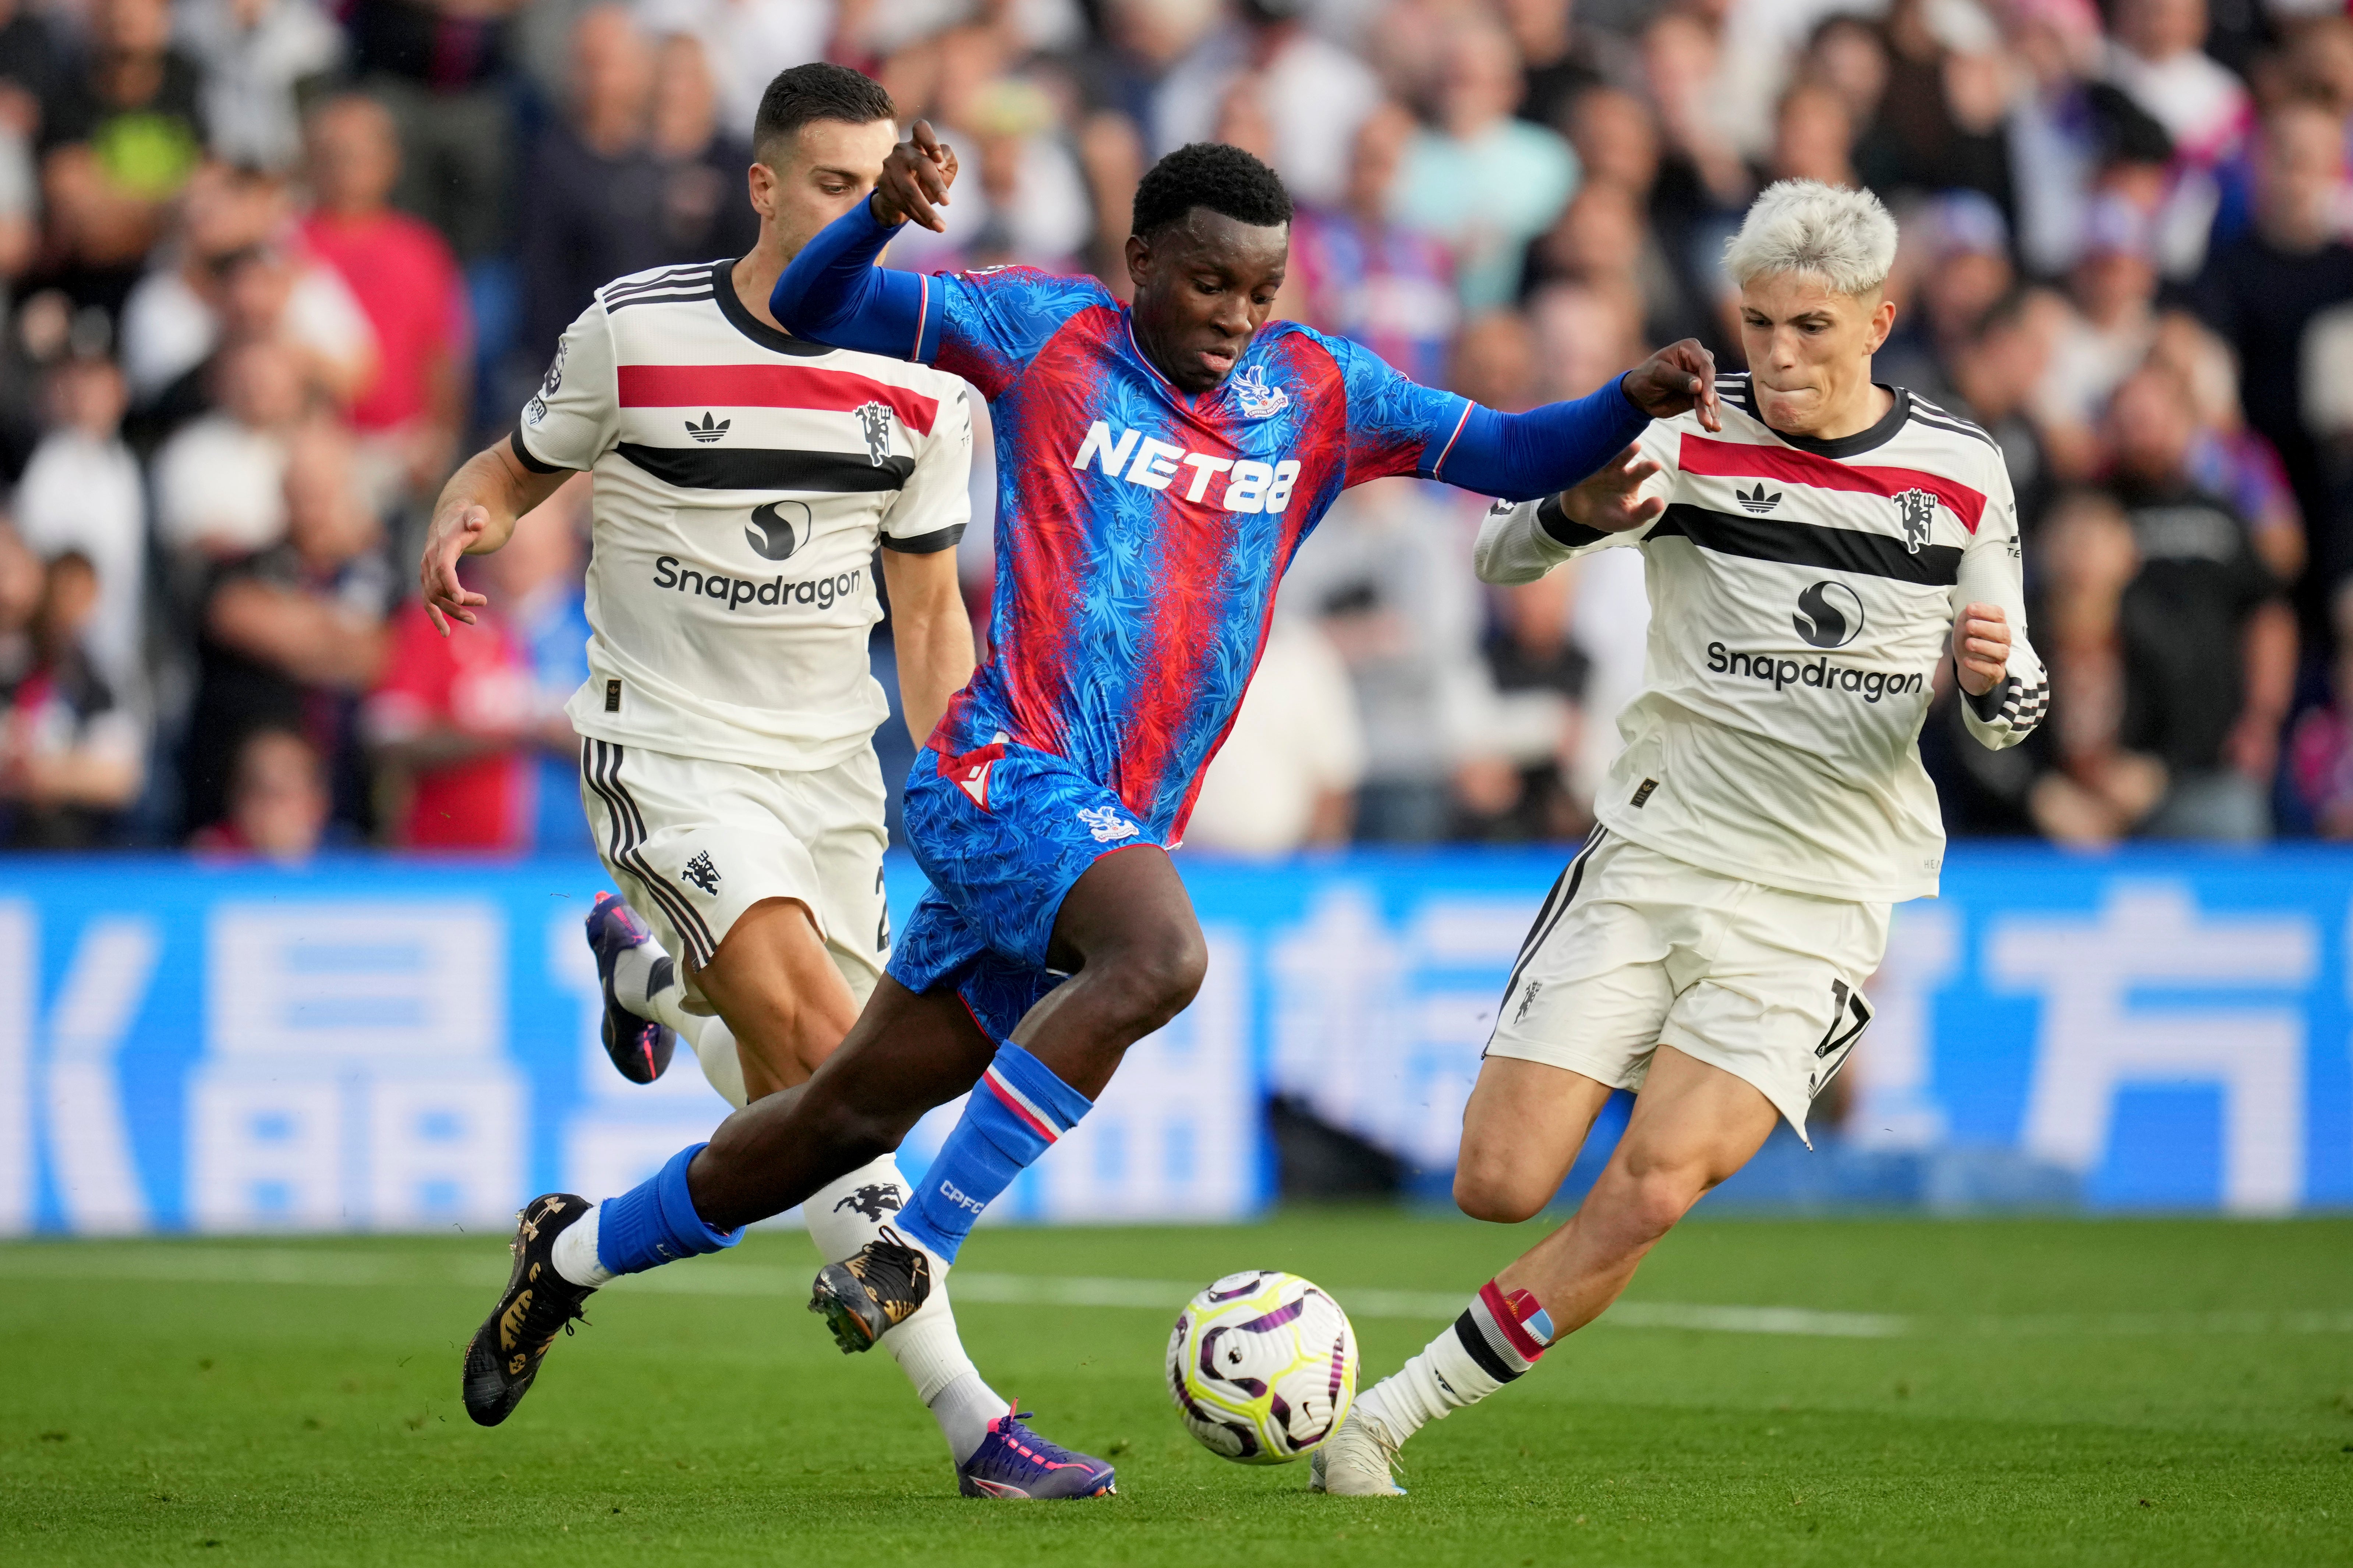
[1758,503]
[707,432]
[1146,460]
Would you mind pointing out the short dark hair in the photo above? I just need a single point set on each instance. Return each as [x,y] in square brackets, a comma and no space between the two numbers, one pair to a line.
[817,91]
[1226,180]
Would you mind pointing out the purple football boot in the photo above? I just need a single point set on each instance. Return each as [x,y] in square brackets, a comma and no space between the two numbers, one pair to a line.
[640,1047]
[1014,1462]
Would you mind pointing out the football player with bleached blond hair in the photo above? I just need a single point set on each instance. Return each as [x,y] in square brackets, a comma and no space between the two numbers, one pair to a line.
[1810,567]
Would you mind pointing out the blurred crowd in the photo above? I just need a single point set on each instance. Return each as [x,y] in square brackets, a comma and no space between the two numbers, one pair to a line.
[271,267]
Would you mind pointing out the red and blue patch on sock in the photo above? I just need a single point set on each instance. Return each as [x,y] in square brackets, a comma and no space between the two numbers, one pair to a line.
[1504,1333]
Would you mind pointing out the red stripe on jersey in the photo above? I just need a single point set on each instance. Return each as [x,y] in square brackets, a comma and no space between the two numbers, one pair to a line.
[1439,468]
[769,387]
[1734,461]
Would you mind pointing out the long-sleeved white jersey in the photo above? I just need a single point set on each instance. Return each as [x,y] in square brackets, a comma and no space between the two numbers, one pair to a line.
[1802,593]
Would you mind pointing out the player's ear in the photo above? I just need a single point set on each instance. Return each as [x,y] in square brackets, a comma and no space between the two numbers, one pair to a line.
[1139,260]
[761,181]
[1883,321]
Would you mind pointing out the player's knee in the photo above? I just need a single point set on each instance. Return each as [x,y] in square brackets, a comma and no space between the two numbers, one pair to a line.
[1159,978]
[1493,1186]
[1490,1189]
[859,1132]
[1653,1201]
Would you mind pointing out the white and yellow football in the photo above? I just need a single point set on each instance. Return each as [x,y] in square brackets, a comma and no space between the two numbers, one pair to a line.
[1261,1366]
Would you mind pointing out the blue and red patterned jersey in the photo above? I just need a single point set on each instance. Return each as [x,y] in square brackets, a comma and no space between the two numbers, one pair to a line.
[1141,531]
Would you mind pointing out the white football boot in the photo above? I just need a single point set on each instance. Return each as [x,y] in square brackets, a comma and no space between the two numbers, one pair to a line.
[1355,1461]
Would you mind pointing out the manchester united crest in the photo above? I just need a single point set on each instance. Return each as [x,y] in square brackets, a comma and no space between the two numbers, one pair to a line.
[1917,510]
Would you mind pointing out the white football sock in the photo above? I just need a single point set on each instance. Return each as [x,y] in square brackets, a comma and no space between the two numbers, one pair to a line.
[964,1410]
[714,1047]
[635,970]
[845,1216]
[647,982]
[574,1252]
[668,1005]
[1495,1340]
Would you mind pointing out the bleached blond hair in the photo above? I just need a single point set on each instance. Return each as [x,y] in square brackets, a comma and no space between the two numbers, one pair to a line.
[1844,238]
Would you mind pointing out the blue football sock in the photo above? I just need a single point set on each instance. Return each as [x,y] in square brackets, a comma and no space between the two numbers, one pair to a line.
[654,1222]
[1017,1110]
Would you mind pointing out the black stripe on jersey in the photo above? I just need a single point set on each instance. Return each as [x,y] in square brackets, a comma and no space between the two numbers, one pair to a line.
[1556,904]
[1558,527]
[1954,426]
[522,456]
[601,766]
[769,469]
[739,316]
[1938,415]
[1809,544]
[1936,411]
[687,297]
[697,272]
[930,544]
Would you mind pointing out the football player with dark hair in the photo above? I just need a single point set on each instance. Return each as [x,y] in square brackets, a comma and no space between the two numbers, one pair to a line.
[744,478]
[1158,466]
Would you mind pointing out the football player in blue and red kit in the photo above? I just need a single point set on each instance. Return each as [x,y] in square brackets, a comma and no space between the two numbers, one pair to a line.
[1158,468]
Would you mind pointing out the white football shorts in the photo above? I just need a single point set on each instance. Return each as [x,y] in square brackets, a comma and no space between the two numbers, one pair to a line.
[1634,950]
[692,843]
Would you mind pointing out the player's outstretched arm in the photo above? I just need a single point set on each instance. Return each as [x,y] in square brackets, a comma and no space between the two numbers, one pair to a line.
[834,294]
[1519,456]
[1519,543]
[476,515]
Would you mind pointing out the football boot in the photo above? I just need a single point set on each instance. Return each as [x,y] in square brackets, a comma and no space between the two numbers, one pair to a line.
[640,1047]
[1014,1463]
[504,1353]
[1358,1460]
[872,1291]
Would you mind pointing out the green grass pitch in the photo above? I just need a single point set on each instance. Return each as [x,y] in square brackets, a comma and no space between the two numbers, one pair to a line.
[2014,1392]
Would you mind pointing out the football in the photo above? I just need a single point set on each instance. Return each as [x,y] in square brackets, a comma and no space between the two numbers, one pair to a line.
[1261,1365]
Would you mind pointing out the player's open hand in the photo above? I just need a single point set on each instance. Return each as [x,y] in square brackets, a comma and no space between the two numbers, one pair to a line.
[1612,499]
[915,180]
[1676,380]
[453,533]
[1980,648]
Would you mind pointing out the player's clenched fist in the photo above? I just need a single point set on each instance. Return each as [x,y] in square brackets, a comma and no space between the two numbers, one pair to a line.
[915,180]
[1981,647]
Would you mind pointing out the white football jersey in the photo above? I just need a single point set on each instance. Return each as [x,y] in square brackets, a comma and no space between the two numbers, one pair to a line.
[742,479]
[1803,594]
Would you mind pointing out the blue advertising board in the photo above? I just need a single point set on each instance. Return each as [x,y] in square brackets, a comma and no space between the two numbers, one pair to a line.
[382,1044]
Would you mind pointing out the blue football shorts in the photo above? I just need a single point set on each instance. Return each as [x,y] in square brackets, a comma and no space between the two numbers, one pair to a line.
[1003,833]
